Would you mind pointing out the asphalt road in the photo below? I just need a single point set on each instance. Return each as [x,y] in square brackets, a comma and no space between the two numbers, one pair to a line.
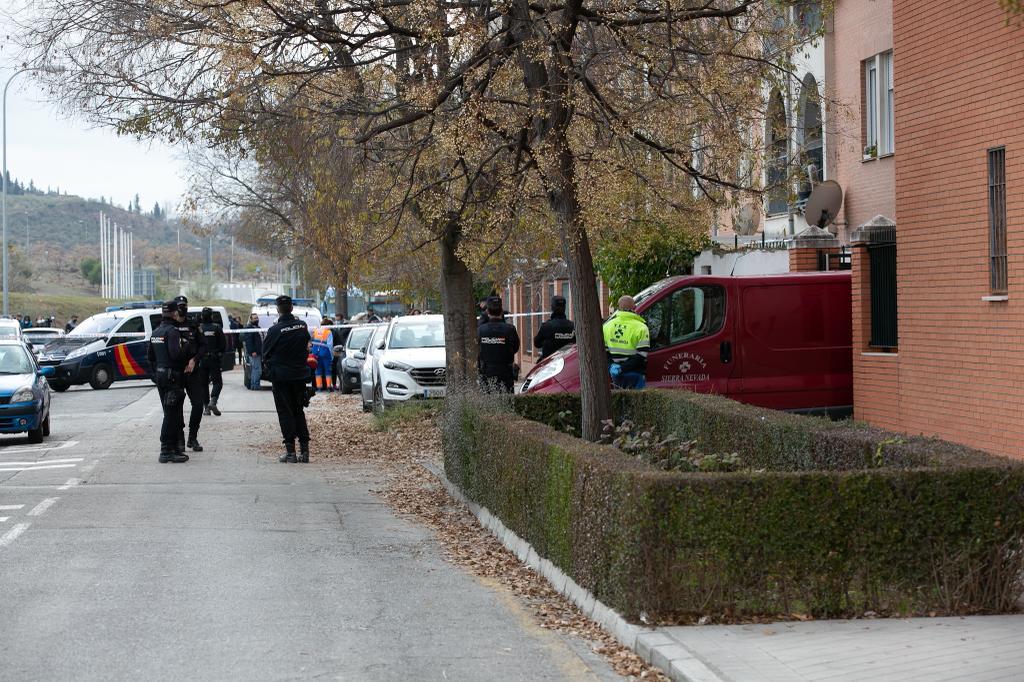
[232,566]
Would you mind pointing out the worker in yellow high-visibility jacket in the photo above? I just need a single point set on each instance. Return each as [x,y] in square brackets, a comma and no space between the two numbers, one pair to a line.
[627,340]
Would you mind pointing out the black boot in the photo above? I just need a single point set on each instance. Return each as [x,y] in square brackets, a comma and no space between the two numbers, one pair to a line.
[193,442]
[304,453]
[289,454]
[213,407]
[166,453]
[206,410]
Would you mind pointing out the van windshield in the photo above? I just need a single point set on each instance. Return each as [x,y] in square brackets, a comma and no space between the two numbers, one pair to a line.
[98,325]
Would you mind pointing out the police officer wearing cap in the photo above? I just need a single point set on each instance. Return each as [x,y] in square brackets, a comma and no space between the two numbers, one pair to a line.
[215,344]
[285,350]
[499,343]
[557,332]
[196,383]
[167,352]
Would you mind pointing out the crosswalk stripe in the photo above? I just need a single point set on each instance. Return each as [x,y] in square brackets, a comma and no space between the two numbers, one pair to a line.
[12,535]
[50,466]
[10,507]
[42,461]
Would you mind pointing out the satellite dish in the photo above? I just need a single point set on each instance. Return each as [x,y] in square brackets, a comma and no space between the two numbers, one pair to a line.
[823,205]
[745,222]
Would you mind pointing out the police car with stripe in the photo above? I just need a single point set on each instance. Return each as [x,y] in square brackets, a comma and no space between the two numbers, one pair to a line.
[111,347]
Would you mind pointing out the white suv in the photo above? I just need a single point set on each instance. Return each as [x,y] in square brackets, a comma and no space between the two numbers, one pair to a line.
[407,361]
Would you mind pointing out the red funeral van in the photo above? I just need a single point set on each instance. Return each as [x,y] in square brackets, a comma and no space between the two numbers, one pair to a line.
[778,341]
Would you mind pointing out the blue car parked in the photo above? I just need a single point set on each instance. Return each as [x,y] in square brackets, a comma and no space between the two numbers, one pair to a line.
[24,393]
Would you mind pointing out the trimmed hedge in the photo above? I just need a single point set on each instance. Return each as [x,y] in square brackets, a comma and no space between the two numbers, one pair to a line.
[901,539]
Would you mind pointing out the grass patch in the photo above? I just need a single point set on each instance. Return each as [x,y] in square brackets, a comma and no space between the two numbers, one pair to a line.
[404,413]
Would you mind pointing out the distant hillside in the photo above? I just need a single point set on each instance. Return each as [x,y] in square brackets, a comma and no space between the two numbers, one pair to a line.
[70,221]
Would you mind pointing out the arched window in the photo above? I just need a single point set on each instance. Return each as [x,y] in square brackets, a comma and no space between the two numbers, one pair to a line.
[812,160]
[777,148]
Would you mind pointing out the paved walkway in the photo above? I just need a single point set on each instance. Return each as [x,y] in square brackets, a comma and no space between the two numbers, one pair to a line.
[976,648]
[232,566]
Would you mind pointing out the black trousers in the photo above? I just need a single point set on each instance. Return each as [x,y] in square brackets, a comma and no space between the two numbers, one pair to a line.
[497,379]
[216,380]
[197,386]
[289,398]
[173,402]
[335,369]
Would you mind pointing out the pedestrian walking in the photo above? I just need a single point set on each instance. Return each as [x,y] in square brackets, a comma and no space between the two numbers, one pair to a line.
[253,342]
[627,340]
[167,352]
[197,385]
[284,362]
[323,350]
[557,332]
[499,343]
[215,345]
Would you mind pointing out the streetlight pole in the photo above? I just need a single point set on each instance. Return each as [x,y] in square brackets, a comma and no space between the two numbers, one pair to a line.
[47,68]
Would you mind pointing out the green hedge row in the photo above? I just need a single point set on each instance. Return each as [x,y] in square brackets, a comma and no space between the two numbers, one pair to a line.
[894,540]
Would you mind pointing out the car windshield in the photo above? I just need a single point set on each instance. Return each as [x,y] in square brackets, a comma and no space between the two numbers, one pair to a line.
[99,324]
[15,360]
[358,338]
[417,335]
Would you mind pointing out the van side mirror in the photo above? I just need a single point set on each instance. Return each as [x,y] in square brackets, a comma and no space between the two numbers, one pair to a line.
[359,355]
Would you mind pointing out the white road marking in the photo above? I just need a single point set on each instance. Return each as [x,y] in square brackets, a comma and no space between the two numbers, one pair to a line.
[17,450]
[4,518]
[37,468]
[10,507]
[72,482]
[41,508]
[12,535]
[42,461]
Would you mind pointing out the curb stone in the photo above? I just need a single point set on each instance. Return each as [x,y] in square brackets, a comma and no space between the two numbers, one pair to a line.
[678,662]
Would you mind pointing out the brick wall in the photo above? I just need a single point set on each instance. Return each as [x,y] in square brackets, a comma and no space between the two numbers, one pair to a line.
[959,90]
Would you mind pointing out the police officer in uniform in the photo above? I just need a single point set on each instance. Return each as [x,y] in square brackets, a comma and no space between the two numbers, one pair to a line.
[167,352]
[556,332]
[216,345]
[499,343]
[196,384]
[285,350]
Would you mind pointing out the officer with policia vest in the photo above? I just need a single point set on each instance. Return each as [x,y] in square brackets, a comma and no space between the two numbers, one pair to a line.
[557,332]
[285,350]
[197,385]
[215,344]
[167,352]
[499,343]
[627,340]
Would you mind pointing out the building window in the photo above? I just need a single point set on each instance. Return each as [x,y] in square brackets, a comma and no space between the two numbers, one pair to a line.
[882,264]
[879,124]
[997,220]
[812,161]
[778,155]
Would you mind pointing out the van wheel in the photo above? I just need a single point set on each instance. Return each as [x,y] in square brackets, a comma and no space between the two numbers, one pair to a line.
[46,426]
[59,386]
[102,377]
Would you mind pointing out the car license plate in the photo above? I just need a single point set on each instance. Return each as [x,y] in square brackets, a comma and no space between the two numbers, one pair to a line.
[433,393]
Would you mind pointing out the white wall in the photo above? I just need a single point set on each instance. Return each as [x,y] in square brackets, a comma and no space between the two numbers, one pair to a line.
[746,262]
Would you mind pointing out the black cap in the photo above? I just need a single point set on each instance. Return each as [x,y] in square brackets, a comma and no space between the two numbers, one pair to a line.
[169,306]
[283,299]
[494,305]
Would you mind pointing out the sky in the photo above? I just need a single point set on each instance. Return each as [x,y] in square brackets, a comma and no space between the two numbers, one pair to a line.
[58,152]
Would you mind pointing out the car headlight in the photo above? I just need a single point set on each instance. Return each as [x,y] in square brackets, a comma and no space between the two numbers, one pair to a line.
[547,371]
[400,366]
[77,353]
[23,395]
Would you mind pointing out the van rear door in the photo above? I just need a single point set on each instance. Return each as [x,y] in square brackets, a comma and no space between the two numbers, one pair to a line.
[691,339]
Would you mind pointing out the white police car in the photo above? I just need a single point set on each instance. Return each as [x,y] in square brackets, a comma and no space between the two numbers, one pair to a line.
[24,394]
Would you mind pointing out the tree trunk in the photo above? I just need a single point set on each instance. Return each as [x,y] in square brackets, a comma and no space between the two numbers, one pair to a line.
[595,383]
[341,296]
[459,318]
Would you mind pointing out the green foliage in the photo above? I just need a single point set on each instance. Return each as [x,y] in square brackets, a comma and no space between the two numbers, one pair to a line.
[645,254]
[937,528]
[670,452]
[92,271]
[411,411]
[20,278]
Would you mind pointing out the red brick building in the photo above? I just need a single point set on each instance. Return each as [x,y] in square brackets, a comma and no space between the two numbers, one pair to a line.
[953,365]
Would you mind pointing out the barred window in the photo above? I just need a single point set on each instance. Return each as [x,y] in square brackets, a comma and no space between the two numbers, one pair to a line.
[997,220]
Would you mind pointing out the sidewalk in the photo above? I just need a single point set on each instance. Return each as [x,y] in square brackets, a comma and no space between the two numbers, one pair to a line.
[975,648]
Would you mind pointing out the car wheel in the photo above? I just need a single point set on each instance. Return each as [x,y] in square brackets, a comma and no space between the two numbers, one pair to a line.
[345,388]
[46,426]
[35,436]
[59,386]
[378,399]
[367,407]
[102,377]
